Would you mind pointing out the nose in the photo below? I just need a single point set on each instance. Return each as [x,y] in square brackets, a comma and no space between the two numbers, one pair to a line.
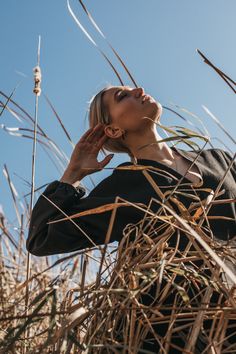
[139,91]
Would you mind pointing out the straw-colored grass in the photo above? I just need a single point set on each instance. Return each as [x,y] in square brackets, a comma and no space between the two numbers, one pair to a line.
[160,284]
[167,281]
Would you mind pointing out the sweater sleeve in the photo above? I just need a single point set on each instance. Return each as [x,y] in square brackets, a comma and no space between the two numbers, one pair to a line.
[90,230]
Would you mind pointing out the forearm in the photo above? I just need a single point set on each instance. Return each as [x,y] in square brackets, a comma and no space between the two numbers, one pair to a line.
[88,229]
[71,176]
[57,196]
[58,201]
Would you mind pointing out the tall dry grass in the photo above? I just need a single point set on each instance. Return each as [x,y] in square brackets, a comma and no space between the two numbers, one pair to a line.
[112,300]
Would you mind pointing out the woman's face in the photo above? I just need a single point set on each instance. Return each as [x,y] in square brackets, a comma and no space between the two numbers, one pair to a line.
[128,106]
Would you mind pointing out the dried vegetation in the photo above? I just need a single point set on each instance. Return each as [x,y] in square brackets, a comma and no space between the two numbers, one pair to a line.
[167,281]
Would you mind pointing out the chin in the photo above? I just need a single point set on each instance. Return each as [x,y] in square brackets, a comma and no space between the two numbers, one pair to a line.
[159,109]
[155,110]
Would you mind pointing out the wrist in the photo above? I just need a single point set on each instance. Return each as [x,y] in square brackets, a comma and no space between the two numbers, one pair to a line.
[71,177]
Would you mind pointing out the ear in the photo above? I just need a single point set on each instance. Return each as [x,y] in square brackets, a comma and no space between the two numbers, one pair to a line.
[113,132]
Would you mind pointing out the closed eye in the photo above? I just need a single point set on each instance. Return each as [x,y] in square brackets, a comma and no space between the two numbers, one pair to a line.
[122,95]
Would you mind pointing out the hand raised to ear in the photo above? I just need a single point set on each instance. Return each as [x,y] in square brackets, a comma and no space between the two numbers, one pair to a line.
[83,160]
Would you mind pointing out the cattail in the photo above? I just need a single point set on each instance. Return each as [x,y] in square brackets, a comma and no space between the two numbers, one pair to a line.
[37,80]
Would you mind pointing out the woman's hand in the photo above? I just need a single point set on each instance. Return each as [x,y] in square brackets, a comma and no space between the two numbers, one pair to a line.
[83,160]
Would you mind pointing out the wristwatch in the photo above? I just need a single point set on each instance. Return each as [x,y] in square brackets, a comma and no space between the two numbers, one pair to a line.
[78,187]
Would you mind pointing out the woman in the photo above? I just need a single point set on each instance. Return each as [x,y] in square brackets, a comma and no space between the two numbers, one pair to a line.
[123,119]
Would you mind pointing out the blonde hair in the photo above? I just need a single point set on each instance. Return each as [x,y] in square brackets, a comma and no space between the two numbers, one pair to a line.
[98,113]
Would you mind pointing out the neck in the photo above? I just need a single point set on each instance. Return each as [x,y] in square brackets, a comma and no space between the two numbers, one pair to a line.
[145,145]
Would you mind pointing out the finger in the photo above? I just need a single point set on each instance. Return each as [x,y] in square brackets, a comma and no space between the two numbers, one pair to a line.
[89,131]
[99,143]
[97,131]
[85,135]
[105,161]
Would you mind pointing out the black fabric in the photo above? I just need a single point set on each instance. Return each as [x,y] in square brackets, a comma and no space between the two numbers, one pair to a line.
[44,239]
[132,185]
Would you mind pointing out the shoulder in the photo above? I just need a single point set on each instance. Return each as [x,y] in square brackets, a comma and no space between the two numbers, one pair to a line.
[215,160]
[216,154]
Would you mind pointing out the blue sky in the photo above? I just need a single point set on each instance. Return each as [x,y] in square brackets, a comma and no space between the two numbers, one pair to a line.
[157,39]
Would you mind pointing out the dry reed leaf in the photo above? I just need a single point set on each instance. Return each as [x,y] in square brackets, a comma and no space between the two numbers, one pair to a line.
[98,210]
[226,78]
[104,37]
[160,278]
[4,105]
[60,121]
[93,42]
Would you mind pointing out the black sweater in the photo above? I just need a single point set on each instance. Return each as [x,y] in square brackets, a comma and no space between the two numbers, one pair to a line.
[45,239]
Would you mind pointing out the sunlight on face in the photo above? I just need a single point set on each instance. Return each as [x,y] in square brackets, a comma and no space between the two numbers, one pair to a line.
[128,106]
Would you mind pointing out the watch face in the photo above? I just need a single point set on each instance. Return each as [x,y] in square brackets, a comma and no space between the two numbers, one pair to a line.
[80,189]
[76,184]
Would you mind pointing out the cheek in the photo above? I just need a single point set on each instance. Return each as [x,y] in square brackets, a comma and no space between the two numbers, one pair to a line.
[132,115]
[129,115]
[132,121]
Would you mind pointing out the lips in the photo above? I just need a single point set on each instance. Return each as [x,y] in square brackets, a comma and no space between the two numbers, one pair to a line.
[145,98]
